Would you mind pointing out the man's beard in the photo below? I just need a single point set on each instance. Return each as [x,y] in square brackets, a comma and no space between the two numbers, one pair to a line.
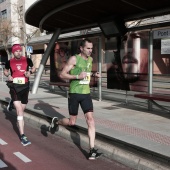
[18,56]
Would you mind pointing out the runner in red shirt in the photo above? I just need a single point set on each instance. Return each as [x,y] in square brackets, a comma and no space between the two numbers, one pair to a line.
[17,71]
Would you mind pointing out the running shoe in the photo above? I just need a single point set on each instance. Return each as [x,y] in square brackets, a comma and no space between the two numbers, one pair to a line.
[93,154]
[53,124]
[25,141]
[10,105]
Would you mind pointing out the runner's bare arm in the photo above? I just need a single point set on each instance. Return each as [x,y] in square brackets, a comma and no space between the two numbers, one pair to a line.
[7,74]
[69,65]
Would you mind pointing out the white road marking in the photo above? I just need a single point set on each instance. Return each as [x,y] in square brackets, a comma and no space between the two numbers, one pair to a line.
[2,142]
[2,164]
[22,157]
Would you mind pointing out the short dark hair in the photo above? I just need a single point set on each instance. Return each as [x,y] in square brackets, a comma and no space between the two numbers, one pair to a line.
[83,42]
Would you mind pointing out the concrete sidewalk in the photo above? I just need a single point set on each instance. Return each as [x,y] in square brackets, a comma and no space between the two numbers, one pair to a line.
[125,127]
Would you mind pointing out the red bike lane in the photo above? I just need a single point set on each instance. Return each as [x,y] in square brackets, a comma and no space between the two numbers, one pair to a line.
[47,151]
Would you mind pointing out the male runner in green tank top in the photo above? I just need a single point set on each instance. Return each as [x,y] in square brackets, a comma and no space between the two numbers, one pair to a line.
[78,71]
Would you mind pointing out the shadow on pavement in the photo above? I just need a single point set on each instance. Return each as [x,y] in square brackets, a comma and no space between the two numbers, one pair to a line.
[11,116]
[8,165]
[143,108]
[13,119]
[76,139]
[48,111]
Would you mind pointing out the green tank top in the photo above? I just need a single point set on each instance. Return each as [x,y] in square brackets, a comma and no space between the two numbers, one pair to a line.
[81,86]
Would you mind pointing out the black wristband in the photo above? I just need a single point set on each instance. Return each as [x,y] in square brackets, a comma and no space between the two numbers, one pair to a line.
[31,72]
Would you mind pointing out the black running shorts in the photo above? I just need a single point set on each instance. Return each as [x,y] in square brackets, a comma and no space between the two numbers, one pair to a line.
[20,96]
[84,100]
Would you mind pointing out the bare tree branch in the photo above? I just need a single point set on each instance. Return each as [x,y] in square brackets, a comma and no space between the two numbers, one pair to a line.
[17,28]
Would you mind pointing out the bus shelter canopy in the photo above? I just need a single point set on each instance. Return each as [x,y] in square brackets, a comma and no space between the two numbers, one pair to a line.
[73,15]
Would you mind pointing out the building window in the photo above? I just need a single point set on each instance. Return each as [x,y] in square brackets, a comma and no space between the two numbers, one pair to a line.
[4,14]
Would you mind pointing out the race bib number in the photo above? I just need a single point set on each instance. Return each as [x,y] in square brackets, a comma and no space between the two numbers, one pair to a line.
[86,80]
[19,80]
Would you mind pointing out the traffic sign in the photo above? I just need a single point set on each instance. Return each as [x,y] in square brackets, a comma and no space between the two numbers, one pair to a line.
[29,49]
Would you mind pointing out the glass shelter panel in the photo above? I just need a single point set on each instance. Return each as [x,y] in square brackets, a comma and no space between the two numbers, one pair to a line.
[161,61]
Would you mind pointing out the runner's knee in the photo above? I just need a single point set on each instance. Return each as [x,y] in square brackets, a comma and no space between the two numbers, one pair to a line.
[19,118]
[90,121]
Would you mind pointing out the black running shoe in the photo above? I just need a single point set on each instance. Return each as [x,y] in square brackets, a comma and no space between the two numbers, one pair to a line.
[53,124]
[93,154]
[10,105]
[25,141]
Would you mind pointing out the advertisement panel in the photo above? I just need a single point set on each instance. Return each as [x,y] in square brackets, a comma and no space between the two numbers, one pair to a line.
[129,67]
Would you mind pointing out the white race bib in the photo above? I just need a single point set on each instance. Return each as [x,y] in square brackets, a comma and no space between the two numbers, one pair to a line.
[19,80]
[86,80]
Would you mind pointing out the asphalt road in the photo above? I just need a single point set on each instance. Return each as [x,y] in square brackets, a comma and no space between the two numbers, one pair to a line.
[47,151]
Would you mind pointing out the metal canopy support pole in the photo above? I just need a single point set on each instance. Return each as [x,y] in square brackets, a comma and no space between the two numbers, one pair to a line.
[150,66]
[44,60]
[100,69]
